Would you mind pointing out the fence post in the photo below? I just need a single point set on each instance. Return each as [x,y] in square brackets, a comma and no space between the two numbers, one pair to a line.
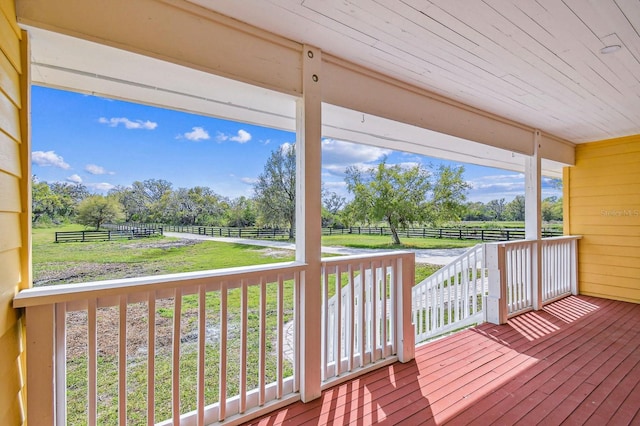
[497,297]
[405,332]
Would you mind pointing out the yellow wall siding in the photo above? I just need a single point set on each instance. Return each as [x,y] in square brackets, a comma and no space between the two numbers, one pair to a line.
[14,211]
[602,196]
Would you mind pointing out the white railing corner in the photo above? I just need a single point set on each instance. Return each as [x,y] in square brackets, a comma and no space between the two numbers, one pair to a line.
[405,329]
[496,308]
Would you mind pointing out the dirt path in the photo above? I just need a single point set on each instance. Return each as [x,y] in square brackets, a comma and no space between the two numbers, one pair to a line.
[432,256]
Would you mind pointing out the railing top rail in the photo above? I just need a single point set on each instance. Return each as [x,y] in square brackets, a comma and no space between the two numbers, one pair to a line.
[529,241]
[562,238]
[81,291]
[339,260]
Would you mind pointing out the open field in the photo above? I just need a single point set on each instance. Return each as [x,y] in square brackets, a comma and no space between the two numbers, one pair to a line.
[57,263]
[383,242]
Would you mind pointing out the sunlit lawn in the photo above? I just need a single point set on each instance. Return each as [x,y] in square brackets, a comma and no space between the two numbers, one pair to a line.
[384,242]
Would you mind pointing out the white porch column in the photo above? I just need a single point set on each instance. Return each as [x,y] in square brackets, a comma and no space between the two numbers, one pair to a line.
[308,222]
[496,301]
[533,215]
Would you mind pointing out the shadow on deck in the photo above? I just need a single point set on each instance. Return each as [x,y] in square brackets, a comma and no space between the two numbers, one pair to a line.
[576,361]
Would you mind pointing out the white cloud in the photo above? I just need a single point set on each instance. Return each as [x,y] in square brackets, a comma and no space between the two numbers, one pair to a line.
[97,170]
[335,185]
[346,153]
[129,124]
[196,134]
[495,187]
[101,186]
[287,147]
[241,137]
[74,179]
[248,180]
[49,158]
[338,155]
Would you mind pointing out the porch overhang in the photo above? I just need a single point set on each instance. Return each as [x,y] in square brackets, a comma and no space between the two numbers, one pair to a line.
[355,106]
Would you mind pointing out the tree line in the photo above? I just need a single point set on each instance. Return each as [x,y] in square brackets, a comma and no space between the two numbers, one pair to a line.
[500,210]
[399,196]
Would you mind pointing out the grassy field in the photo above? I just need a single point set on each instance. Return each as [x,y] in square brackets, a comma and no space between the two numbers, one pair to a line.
[384,242]
[56,263]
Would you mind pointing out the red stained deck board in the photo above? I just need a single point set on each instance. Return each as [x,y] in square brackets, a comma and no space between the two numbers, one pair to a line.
[624,389]
[587,369]
[461,369]
[541,378]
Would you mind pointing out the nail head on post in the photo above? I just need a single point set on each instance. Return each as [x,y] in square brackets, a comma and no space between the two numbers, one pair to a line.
[310,54]
[314,78]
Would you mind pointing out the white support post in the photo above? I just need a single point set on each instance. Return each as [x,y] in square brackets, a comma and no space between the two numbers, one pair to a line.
[573,264]
[308,222]
[496,308]
[405,333]
[40,332]
[533,216]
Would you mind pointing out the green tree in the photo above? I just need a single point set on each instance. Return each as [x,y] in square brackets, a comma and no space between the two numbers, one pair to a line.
[552,209]
[275,190]
[70,195]
[194,206]
[44,202]
[497,208]
[402,196]
[448,195]
[477,211]
[97,210]
[332,203]
[131,207]
[241,212]
[515,210]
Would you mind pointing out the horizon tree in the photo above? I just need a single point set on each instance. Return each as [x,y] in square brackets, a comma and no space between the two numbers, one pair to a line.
[97,210]
[402,196]
[275,189]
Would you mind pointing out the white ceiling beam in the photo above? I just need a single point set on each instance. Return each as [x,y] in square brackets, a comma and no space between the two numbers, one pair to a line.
[178,32]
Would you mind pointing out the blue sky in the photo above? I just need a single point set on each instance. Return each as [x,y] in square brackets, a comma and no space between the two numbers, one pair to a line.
[102,143]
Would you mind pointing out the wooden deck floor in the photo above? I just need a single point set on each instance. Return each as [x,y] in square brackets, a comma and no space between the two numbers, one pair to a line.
[575,362]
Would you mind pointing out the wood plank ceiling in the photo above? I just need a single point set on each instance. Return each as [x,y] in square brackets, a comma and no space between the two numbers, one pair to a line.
[535,62]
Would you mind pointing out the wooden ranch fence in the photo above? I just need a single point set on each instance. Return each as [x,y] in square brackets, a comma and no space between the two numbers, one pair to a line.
[478,234]
[84,236]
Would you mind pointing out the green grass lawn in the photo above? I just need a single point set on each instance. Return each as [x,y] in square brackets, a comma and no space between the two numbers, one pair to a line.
[384,242]
[56,263]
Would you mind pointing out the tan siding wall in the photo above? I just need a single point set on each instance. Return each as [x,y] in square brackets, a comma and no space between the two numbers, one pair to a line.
[14,225]
[603,192]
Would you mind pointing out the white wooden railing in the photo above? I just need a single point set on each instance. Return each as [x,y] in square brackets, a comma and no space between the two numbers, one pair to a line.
[191,348]
[452,297]
[526,274]
[366,319]
[519,275]
[559,267]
